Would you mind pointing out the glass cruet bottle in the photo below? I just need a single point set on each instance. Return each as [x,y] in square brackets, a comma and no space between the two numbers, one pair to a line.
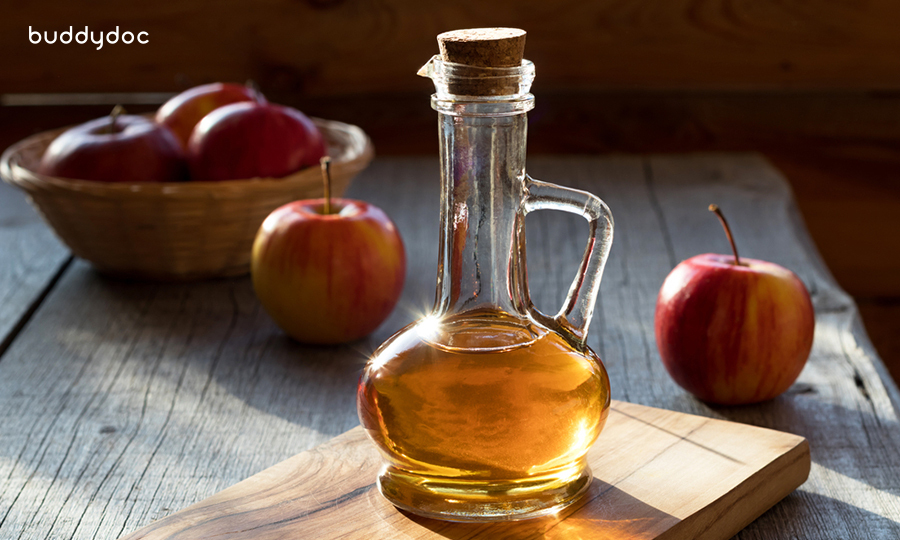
[485,409]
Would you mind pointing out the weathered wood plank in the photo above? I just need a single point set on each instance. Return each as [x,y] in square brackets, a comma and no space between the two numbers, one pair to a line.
[30,259]
[325,47]
[121,402]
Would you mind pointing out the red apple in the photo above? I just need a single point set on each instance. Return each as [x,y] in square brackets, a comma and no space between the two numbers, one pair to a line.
[117,148]
[733,330]
[184,111]
[328,278]
[252,140]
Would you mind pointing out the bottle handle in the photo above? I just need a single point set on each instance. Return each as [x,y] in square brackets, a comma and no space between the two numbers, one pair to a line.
[576,312]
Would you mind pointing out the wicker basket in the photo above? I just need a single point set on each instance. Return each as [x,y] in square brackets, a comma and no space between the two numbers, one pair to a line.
[173,231]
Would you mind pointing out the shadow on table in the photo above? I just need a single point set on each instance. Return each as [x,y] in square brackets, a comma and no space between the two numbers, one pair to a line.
[791,518]
[823,423]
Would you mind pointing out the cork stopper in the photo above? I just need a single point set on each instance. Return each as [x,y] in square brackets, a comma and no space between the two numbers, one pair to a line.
[484,48]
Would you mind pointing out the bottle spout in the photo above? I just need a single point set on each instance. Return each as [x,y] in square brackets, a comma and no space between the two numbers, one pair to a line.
[454,81]
[428,69]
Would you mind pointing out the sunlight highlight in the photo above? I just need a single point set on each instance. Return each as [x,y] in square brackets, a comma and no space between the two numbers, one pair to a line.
[428,327]
[853,492]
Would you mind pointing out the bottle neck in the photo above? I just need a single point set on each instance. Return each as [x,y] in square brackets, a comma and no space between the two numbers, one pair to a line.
[482,149]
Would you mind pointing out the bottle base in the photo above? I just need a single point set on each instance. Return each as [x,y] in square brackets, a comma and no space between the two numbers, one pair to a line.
[467,500]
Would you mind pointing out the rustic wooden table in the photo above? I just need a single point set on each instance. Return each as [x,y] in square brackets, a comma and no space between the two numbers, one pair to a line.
[121,402]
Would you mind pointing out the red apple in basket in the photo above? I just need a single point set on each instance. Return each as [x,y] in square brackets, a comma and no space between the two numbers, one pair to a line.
[253,140]
[116,148]
[328,270]
[184,111]
[733,330]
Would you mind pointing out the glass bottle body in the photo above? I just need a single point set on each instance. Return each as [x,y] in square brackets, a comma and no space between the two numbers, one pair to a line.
[485,409]
[483,416]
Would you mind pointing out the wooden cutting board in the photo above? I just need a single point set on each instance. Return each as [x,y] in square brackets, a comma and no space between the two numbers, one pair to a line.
[657,474]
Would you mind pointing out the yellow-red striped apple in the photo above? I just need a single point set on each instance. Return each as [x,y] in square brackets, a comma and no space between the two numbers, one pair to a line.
[733,330]
[328,277]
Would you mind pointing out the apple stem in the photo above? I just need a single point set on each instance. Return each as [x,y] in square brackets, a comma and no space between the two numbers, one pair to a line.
[257,94]
[714,208]
[326,179]
[117,111]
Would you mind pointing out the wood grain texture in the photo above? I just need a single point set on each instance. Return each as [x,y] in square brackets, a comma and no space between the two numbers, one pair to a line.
[123,402]
[30,260]
[326,47]
[657,474]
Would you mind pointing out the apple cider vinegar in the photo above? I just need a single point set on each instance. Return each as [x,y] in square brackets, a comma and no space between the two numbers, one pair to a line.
[483,409]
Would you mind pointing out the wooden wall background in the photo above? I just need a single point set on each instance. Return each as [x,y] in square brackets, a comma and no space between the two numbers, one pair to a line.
[814,84]
[328,47]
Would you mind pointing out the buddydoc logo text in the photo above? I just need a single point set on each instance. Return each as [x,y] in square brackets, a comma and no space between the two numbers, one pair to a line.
[83,36]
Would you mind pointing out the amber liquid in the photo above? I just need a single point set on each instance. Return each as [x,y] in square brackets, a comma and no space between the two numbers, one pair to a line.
[483,416]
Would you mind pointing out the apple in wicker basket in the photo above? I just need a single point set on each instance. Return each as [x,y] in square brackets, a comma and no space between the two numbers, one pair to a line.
[184,111]
[117,148]
[254,139]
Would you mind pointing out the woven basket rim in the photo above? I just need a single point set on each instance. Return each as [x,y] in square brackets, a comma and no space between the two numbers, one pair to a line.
[349,147]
